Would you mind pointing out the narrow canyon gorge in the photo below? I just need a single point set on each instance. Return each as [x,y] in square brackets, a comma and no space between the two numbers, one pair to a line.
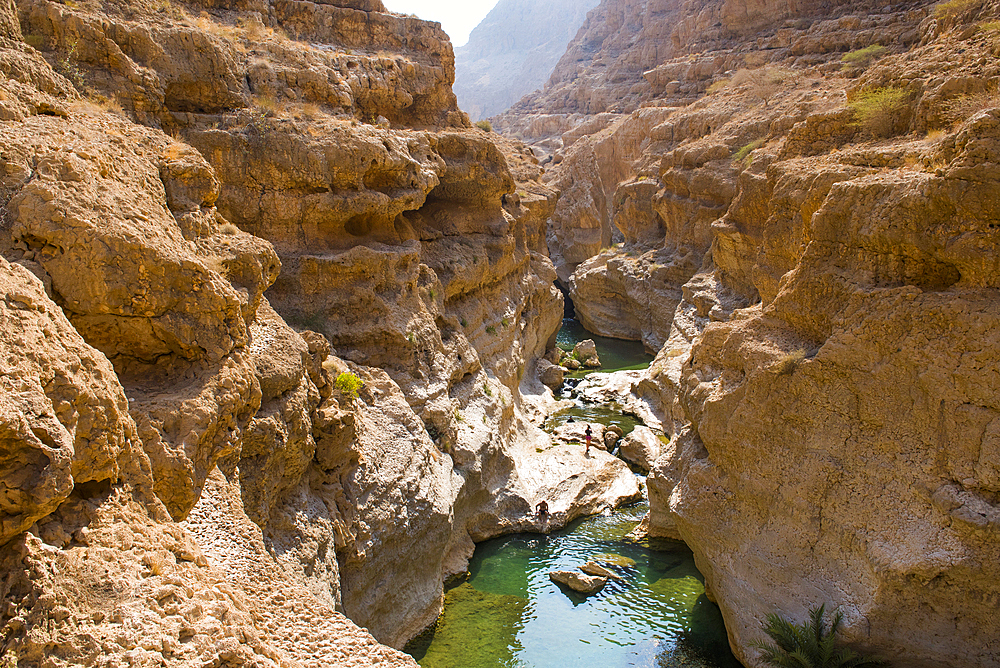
[277,317]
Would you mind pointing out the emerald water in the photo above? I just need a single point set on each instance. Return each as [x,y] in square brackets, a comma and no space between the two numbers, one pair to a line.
[599,413]
[615,354]
[508,614]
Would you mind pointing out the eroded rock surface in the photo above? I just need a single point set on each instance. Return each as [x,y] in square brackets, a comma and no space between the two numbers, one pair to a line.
[820,291]
[179,307]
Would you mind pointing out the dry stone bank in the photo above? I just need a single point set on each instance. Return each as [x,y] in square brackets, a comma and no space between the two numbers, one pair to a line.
[807,236]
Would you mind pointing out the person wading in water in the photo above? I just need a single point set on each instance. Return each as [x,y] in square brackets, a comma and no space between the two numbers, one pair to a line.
[589,433]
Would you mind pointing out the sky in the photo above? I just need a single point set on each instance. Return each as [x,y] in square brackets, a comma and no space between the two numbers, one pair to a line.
[457,17]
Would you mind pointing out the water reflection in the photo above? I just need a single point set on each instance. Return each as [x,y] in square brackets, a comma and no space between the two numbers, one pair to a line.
[615,354]
[510,614]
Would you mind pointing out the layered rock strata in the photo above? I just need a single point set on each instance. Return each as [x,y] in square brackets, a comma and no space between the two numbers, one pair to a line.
[196,485]
[820,286]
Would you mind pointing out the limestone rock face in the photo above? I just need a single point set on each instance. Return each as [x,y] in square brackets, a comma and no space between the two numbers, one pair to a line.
[630,51]
[512,52]
[173,406]
[839,417]
[817,290]
[641,447]
[65,420]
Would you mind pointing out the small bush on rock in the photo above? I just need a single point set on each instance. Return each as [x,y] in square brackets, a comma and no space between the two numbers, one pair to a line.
[862,58]
[953,8]
[743,155]
[809,645]
[789,362]
[880,111]
[484,125]
[348,385]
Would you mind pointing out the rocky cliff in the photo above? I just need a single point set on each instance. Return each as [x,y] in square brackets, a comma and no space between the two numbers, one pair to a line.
[271,316]
[512,52]
[797,208]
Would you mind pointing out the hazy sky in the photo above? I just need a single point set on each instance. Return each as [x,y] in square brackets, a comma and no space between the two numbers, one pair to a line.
[457,17]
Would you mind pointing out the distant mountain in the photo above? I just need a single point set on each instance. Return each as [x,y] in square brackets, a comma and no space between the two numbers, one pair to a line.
[513,52]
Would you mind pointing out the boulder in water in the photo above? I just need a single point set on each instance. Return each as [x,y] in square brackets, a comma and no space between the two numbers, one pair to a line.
[595,569]
[586,353]
[581,582]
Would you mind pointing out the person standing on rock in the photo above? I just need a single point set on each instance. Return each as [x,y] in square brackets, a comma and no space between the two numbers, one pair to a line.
[589,434]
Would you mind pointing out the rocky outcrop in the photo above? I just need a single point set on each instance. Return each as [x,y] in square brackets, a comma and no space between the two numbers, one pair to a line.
[270,364]
[641,448]
[512,52]
[579,582]
[820,289]
[634,52]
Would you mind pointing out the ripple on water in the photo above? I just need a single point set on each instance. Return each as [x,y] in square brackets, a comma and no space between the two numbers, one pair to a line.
[509,613]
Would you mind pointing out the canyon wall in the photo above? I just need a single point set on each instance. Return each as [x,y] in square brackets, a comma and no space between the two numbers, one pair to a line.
[512,52]
[809,242]
[216,216]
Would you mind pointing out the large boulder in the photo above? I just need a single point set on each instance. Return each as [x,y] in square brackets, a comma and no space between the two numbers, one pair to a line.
[641,448]
[579,582]
[550,374]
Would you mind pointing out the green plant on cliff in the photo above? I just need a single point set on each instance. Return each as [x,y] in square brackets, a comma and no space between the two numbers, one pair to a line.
[348,385]
[812,644]
[743,155]
[69,69]
[953,8]
[484,125]
[862,58]
[879,111]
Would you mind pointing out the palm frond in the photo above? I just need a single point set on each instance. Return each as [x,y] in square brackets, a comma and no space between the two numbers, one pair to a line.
[809,645]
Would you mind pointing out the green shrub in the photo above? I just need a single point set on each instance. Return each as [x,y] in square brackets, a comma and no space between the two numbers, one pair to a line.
[809,645]
[953,8]
[743,155]
[348,385]
[464,322]
[861,58]
[487,390]
[878,111]
[484,125]
[491,330]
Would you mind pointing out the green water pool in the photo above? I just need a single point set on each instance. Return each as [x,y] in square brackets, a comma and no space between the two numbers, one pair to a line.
[615,354]
[508,614]
[606,414]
